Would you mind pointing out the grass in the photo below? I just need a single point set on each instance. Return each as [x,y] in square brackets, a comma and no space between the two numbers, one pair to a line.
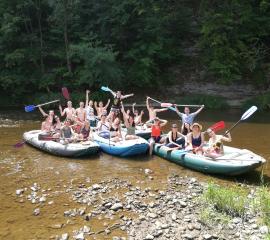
[264,204]
[231,201]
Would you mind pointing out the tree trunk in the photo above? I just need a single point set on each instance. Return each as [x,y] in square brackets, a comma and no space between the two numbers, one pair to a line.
[66,36]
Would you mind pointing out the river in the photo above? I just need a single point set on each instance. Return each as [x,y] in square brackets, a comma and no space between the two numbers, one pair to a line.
[22,167]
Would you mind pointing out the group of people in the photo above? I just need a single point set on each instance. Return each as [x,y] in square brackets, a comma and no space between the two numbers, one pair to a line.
[90,115]
[190,137]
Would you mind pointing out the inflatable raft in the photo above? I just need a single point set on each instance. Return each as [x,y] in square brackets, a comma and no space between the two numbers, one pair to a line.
[125,148]
[234,162]
[141,131]
[79,149]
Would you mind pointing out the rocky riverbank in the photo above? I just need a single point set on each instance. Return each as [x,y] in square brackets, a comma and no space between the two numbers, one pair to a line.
[136,211]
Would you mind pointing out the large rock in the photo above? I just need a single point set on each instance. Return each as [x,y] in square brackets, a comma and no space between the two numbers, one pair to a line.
[116,206]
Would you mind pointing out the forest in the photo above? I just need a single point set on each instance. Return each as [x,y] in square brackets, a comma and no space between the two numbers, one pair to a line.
[130,44]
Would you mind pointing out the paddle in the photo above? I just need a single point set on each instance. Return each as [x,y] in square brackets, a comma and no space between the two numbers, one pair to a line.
[106,89]
[31,108]
[218,126]
[245,116]
[65,93]
[171,105]
[19,144]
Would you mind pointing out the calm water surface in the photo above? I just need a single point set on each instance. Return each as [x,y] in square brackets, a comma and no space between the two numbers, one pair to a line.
[22,167]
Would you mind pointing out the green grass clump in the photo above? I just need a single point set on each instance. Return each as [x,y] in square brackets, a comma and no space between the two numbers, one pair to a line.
[231,200]
[264,204]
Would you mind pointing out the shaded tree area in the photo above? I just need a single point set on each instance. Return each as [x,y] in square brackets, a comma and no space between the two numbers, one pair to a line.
[47,44]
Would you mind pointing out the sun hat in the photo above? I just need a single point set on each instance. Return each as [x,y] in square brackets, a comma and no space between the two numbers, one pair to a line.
[196,124]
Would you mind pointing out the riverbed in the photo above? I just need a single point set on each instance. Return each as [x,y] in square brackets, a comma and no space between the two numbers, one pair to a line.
[27,167]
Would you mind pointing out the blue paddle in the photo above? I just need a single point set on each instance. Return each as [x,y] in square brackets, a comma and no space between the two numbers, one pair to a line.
[31,108]
[106,89]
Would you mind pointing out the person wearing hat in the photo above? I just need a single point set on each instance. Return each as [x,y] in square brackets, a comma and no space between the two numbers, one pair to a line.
[195,138]
[187,117]
[215,144]
[156,133]
[175,139]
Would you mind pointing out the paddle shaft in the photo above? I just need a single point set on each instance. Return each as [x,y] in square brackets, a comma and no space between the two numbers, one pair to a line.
[39,105]
[171,108]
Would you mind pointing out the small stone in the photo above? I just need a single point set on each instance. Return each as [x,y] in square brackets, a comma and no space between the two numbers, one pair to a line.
[79,236]
[187,236]
[50,202]
[149,237]
[207,236]
[96,187]
[86,229]
[116,206]
[19,191]
[174,217]
[107,231]
[36,212]
[236,220]
[42,199]
[148,171]
[64,236]
[57,226]
[152,215]
[183,204]
[264,230]
[254,226]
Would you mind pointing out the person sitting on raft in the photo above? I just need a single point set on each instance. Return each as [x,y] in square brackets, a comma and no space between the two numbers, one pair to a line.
[130,125]
[69,111]
[57,125]
[175,139]
[103,127]
[185,129]
[152,111]
[117,101]
[137,116]
[195,138]
[156,132]
[47,124]
[115,130]
[215,145]
[66,133]
[100,108]
[86,132]
[81,112]
[187,117]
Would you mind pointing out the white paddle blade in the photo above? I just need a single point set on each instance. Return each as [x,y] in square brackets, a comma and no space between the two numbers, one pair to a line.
[166,105]
[249,112]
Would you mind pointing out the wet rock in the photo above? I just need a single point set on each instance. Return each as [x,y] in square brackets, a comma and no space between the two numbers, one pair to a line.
[42,199]
[36,212]
[64,236]
[19,191]
[116,206]
[148,171]
[79,236]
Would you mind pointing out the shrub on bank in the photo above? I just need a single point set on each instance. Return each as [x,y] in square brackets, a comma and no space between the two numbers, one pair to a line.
[262,102]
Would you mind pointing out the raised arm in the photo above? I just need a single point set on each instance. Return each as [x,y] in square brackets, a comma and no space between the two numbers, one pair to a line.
[42,112]
[96,106]
[199,110]
[133,107]
[147,104]
[87,98]
[177,110]
[127,96]
[163,123]
[161,110]
[227,139]
[107,105]
[62,113]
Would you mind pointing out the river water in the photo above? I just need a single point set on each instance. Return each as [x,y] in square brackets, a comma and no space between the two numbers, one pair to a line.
[22,167]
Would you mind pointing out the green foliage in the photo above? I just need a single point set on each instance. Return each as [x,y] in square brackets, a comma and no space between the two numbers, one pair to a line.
[211,102]
[262,102]
[264,204]
[230,200]
[234,38]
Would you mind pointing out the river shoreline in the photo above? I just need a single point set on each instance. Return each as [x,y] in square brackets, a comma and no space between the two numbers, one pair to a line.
[136,211]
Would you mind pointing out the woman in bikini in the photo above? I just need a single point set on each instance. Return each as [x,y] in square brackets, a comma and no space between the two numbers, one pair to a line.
[195,138]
